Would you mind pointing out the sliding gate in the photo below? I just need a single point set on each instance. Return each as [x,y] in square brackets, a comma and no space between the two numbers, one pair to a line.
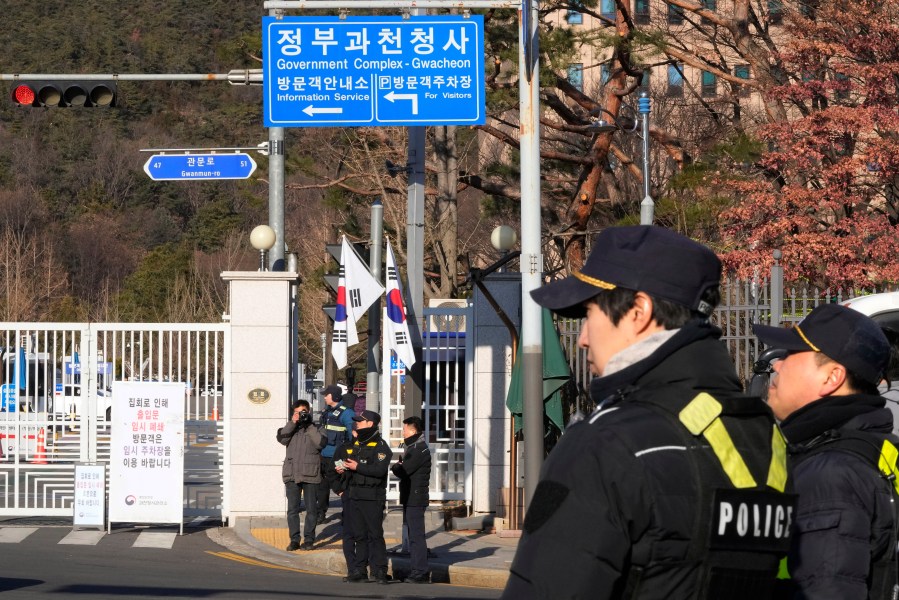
[56,404]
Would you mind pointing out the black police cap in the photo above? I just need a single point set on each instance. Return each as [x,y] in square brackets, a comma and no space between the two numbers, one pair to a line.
[840,333]
[641,258]
[368,415]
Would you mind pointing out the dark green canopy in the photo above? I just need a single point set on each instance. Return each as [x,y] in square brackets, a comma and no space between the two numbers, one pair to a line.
[556,374]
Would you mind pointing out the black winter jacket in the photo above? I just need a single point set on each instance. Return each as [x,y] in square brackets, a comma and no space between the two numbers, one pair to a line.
[369,480]
[414,473]
[844,520]
[618,495]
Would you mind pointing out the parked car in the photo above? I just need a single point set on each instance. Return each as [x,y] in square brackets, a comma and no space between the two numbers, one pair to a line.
[882,308]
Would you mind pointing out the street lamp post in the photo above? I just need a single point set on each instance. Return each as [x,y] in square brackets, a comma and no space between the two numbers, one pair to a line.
[644,105]
[263,239]
[647,206]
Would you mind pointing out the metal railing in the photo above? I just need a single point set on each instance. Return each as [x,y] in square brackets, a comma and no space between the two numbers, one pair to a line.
[56,405]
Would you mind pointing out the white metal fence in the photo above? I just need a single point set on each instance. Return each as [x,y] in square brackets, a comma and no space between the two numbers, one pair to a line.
[447,398]
[56,404]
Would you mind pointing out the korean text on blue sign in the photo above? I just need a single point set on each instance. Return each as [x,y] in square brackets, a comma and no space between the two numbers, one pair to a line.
[366,71]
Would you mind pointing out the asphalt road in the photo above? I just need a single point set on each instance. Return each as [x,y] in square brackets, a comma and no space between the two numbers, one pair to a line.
[194,566]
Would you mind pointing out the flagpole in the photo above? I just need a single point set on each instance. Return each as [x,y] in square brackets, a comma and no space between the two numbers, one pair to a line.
[373,382]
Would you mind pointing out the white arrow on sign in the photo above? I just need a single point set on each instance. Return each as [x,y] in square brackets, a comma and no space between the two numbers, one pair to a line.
[312,111]
[413,97]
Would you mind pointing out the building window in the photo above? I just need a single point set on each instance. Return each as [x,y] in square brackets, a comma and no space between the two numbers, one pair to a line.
[675,80]
[808,8]
[709,85]
[711,5]
[608,9]
[641,12]
[775,12]
[605,73]
[742,71]
[576,76]
[675,15]
[842,87]
[575,17]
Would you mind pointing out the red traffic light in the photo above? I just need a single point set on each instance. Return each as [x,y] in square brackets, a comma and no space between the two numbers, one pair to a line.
[23,94]
[65,93]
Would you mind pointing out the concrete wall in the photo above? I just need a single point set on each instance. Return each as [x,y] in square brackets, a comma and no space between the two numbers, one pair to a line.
[492,371]
[260,359]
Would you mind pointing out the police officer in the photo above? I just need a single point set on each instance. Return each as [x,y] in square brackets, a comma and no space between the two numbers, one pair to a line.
[367,463]
[842,453]
[414,472]
[672,488]
[340,486]
[336,425]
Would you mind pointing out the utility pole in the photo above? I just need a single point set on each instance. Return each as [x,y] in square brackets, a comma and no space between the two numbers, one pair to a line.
[373,379]
[531,255]
[276,185]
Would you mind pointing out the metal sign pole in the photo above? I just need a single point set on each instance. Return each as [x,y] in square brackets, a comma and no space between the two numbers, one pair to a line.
[531,255]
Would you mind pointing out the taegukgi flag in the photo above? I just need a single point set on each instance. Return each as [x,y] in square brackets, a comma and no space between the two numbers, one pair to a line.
[356,291]
[396,328]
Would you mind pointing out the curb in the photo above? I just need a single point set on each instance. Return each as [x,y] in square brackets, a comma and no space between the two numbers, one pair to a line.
[331,562]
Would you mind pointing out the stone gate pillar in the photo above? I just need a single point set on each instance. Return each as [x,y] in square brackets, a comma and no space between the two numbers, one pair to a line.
[259,312]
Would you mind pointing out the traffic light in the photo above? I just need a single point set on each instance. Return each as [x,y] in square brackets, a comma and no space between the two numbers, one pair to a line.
[64,93]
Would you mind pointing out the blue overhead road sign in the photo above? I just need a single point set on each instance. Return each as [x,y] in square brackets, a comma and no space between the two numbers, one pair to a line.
[366,71]
[182,167]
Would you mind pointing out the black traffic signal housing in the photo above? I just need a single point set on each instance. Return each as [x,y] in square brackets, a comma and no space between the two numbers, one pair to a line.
[67,92]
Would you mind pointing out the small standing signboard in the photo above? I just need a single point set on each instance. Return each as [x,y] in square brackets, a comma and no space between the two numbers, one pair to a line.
[89,506]
[146,482]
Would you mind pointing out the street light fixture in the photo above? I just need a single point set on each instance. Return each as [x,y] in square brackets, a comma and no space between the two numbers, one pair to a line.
[503,238]
[644,104]
[263,239]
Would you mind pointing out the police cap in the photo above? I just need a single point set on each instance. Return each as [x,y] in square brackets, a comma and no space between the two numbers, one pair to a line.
[841,334]
[642,258]
[368,415]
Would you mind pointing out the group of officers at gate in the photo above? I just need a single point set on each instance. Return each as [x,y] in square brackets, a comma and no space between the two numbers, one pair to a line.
[346,454]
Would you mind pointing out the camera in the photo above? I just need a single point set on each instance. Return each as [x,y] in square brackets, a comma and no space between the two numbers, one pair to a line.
[305,419]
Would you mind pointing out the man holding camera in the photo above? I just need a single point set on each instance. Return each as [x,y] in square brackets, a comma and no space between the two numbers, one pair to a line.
[301,473]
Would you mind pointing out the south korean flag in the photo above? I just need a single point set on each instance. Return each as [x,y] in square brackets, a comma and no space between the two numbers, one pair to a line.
[396,328]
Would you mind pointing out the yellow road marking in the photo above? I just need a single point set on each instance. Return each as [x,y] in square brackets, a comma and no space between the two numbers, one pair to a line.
[257,563]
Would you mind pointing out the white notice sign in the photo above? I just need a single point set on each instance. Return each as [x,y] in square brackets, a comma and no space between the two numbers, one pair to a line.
[146,481]
[89,505]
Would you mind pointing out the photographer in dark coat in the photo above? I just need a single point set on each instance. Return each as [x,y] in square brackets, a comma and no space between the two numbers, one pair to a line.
[414,473]
[301,473]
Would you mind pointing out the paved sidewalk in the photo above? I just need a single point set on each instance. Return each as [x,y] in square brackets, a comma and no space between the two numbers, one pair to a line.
[468,558]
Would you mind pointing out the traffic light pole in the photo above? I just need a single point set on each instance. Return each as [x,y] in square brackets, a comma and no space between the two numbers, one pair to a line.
[234,77]
[276,186]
